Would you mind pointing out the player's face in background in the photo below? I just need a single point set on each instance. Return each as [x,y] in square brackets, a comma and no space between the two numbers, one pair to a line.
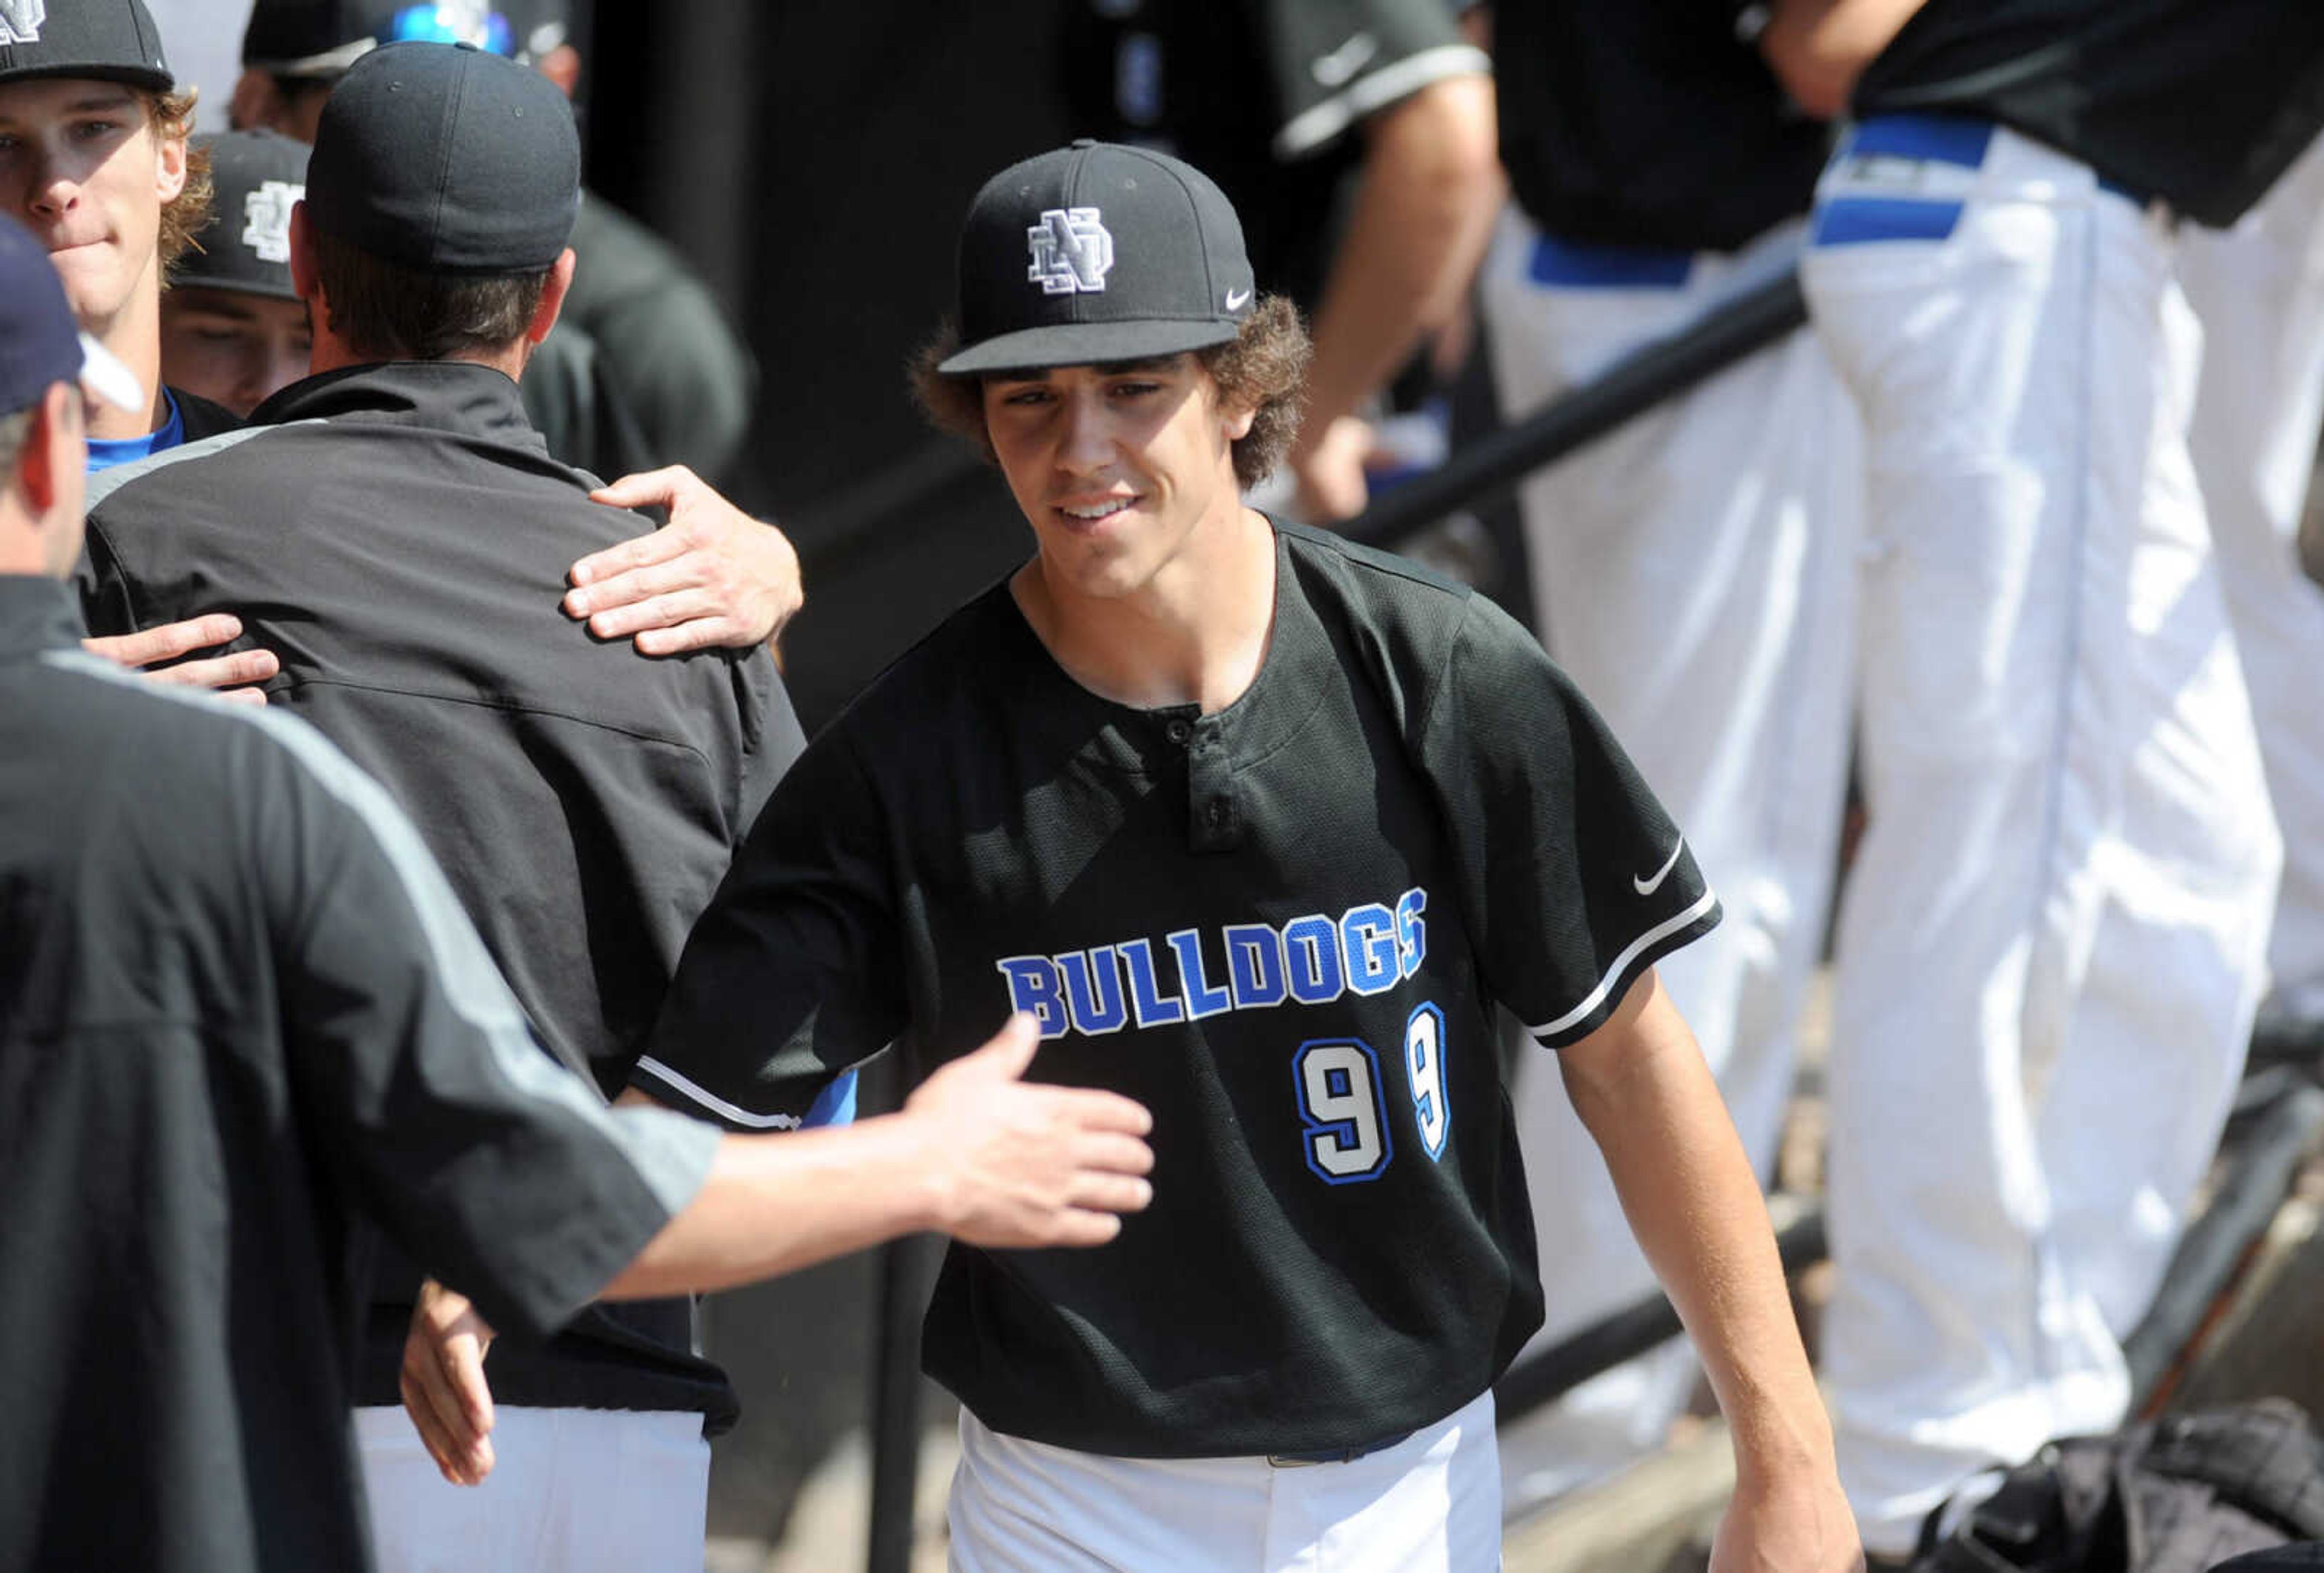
[230,347]
[1118,467]
[82,168]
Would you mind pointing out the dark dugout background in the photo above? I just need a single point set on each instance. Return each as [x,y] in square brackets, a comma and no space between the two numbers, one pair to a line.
[813,162]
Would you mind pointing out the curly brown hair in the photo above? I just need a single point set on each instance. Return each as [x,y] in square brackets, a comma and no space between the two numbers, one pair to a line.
[171,117]
[1264,367]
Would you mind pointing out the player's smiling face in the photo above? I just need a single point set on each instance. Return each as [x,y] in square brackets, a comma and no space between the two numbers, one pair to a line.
[1117,466]
[82,168]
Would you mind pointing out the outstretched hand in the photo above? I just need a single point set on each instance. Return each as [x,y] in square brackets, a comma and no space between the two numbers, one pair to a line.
[443,1383]
[1025,1165]
[713,578]
[228,674]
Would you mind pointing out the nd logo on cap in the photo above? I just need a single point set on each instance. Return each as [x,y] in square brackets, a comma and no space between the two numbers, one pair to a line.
[1072,252]
[20,21]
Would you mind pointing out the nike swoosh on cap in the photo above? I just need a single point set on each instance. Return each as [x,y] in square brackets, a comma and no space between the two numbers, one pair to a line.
[1238,298]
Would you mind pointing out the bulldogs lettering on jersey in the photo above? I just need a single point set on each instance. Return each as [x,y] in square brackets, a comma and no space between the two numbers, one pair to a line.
[1310,960]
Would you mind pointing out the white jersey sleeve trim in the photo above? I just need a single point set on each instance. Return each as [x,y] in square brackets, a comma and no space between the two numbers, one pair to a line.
[1318,123]
[695,1093]
[1630,953]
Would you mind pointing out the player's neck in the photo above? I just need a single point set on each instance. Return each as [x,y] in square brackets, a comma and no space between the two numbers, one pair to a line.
[1197,633]
[133,334]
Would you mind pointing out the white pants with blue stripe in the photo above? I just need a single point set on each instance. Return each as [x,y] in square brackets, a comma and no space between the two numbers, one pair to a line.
[2054,933]
[2259,291]
[1695,573]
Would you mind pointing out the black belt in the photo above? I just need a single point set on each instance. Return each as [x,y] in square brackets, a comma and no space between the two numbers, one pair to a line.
[1335,1454]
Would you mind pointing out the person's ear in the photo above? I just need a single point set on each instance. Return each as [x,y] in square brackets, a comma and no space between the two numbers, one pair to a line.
[562,66]
[51,449]
[302,257]
[169,168]
[552,296]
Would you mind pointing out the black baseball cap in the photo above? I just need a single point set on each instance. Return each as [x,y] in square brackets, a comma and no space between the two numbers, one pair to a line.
[259,176]
[104,40]
[443,158]
[1094,253]
[41,346]
[322,38]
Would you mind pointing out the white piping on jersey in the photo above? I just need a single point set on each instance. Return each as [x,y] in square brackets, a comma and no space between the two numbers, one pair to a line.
[1630,952]
[710,1100]
[1318,125]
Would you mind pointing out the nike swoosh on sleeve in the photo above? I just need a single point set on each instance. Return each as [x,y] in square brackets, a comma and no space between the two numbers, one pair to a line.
[1647,887]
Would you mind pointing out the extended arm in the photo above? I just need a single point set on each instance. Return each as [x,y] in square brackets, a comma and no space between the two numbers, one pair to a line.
[975,1154]
[1424,209]
[1818,47]
[1640,1086]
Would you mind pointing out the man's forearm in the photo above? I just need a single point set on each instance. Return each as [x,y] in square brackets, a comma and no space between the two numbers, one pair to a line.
[1424,209]
[1819,47]
[775,1204]
[1696,1208]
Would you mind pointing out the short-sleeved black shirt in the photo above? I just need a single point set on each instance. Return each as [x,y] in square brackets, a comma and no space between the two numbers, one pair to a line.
[240,1008]
[1282,926]
[1261,95]
[1649,122]
[2204,102]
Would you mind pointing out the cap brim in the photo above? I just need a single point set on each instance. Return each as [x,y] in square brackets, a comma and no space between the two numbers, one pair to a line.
[1085,344]
[103,375]
[331,62]
[158,81]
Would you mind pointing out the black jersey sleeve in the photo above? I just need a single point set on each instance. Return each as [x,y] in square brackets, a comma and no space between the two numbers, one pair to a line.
[415,1080]
[1336,61]
[793,973]
[1573,878]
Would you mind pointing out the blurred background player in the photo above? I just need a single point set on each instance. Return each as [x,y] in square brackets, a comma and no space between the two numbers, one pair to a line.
[1693,571]
[2258,290]
[1356,139]
[2056,926]
[652,372]
[232,328]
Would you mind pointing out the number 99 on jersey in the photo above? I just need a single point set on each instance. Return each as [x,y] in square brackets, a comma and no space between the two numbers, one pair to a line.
[1342,1098]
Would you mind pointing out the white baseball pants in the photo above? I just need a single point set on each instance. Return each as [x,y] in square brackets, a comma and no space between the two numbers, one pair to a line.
[1695,572]
[1430,1503]
[2054,932]
[571,1491]
[2259,291]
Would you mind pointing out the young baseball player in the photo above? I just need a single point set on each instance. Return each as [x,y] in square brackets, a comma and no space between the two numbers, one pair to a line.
[1259,826]
[233,327]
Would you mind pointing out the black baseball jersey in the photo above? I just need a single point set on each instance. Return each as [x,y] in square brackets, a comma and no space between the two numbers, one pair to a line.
[1281,926]
[1651,122]
[1260,95]
[239,1009]
[2203,102]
